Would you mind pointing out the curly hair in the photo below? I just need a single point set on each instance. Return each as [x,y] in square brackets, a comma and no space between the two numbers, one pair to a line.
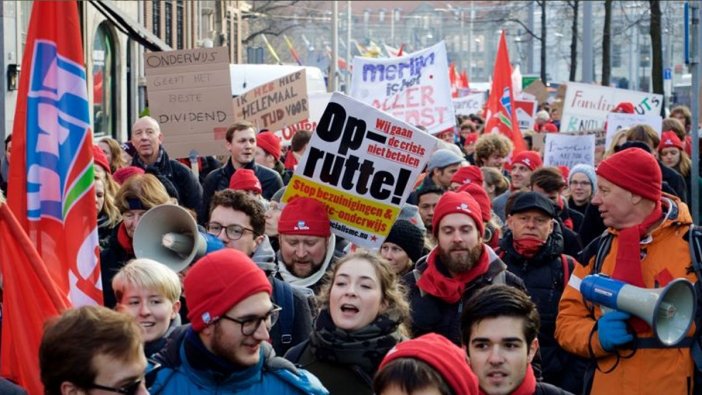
[489,144]
[108,207]
[241,201]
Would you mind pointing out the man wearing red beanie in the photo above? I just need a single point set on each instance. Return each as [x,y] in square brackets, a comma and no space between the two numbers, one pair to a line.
[268,151]
[645,246]
[306,243]
[226,346]
[454,269]
[522,165]
[246,180]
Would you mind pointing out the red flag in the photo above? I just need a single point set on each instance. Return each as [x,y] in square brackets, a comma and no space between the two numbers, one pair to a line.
[501,115]
[464,79]
[402,47]
[453,80]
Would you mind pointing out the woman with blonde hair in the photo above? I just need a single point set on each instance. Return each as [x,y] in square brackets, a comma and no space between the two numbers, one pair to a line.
[363,315]
[113,152]
[108,216]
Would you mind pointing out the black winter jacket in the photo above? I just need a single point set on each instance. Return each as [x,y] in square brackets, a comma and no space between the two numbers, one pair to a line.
[112,258]
[184,181]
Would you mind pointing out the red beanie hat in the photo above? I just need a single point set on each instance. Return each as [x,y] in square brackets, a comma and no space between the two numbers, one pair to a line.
[245,180]
[123,174]
[549,128]
[670,140]
[635,170]
[446,358]
[480,196]
[565,172]
[530,159]
[624,107]
[100,158]
[470,139]
[456,202]
[270,143]
[304,216]
[218,282]
[468,175]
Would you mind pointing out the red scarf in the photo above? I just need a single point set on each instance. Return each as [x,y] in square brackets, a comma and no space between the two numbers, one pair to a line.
[527,246]
[124,240]
[628,266]
[449,289]
[527,387]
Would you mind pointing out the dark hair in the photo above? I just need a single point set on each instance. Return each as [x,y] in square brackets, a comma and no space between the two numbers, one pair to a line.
[550,179]
[685,112]
[645,134]
[510,200]
[300,139]
[71,342]
[410,375]
[237,126]
[241,201]
[8,139]
[500,300]
[676,126]
[432,189]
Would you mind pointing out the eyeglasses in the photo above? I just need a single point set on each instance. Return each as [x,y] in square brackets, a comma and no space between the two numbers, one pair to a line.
[580,183]
[250,325]
[234,232]
[129,389]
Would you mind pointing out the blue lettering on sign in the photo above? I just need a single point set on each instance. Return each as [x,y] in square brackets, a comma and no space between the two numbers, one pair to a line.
[57,122]
[411,68]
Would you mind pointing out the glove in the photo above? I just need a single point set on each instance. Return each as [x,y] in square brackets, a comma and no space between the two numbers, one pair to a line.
[613,331]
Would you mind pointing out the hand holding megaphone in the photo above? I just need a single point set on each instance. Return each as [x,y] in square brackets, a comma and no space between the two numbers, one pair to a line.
[668,311]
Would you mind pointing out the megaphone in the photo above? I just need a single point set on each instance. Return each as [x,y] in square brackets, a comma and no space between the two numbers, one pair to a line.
[169,234]
[668,311]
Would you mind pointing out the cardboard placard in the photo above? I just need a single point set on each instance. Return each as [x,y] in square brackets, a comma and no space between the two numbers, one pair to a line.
[317,103]
[362,163]
[190,97]
[275,104]
[414,88]
[526,109]
[585,106]
[617,121]
[470,104]
[538,89]
[569,150]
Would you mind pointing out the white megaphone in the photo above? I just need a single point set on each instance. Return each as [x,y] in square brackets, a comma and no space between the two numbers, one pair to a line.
[169,234]
[668,311]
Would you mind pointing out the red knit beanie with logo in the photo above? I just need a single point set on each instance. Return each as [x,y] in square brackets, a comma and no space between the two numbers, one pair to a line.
[245,180]
[100,158]
[270,143]
[304,216]
[530,159]
[670,140]
[468,175]
[635,170]
[457,202]
[218,282]
[123,174]
[480,196]
[446,358]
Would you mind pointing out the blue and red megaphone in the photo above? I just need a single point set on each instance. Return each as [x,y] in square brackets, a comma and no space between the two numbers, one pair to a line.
[669,311]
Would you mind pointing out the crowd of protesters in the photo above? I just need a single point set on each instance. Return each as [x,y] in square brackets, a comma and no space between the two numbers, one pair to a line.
[475,290]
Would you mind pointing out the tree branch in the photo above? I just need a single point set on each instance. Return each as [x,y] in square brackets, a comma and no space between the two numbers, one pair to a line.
[267,30]
[526,28]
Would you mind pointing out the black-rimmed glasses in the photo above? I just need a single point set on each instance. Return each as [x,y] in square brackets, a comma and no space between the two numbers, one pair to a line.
[251,324]
[129,389]
[233,232]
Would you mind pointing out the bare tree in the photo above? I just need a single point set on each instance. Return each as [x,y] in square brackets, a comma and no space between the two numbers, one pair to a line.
[542,4]
[656,47]
[606,43]
[574,41]
[268,17]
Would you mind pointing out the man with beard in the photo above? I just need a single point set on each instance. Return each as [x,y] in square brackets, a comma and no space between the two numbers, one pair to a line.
[226,349]
[306,243]
[454,269]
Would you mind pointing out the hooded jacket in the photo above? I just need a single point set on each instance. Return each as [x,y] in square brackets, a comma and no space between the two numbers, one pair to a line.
[666,255]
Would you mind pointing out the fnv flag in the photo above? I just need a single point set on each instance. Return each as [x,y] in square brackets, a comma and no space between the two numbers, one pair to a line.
[51,188]
[501,115]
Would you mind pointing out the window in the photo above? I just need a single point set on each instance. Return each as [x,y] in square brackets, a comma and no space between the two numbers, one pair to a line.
[104,82]
[179,24]
[156,17]
[168,11]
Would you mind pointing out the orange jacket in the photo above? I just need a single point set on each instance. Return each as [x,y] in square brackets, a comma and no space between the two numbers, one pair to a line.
[649,371]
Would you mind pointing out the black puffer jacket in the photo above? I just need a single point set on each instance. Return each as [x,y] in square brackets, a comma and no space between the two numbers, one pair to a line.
[544,276]
[112,258]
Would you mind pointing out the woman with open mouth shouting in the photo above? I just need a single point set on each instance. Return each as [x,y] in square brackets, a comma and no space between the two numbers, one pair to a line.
[363,315]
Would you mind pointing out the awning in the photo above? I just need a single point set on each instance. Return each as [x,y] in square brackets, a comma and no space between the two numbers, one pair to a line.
[129,26]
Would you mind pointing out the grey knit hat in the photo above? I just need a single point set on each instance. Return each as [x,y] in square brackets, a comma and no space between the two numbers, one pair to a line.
[588,170]
[442,158]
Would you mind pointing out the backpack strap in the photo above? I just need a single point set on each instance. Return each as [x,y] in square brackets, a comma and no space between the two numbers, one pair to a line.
[603,248]
[568,265]
[283,294]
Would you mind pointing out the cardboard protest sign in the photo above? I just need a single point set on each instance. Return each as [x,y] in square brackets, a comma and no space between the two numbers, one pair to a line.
[526,109]
[275,104]
[538,89]
[362,163]
[617,121]
[413,88]
[471,104]
[585,106]
[190,95]
[569,150]
[317,103]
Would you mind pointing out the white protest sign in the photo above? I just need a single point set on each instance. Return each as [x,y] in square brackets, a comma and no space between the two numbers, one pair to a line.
[617,121]
[569,150]
[471,104]
[413,88]
[362,163]
[585,106]
[526,109]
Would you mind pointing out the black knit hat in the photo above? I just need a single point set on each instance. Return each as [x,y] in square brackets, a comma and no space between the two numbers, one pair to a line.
[408,237]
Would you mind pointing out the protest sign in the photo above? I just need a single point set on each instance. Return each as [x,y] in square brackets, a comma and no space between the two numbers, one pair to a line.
[317,103]
[362,163]
[569,150]
[526,109]
[413,88]
[471,104]
[537,89]
[585,106]
[190,96]
[617,121]
[275,104]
